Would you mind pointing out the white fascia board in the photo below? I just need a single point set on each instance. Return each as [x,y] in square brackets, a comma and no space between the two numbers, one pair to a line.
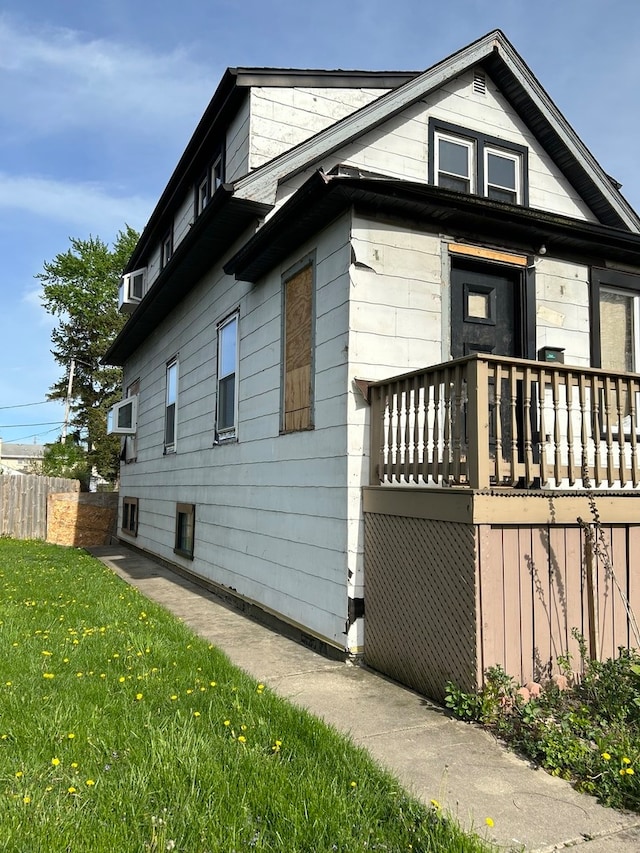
[262,184]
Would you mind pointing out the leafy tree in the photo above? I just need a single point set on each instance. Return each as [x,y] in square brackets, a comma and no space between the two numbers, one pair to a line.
[80,288]
[66,460]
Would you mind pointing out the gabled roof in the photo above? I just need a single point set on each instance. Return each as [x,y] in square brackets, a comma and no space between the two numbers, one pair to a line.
[504,65]
[211,128]
[324,197]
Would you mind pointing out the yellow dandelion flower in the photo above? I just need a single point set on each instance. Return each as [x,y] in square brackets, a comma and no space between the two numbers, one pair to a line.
[435,804]
[121,679]
[55,761]
[353,784]
[71,789]
[74,764]
[606,756]
[196,713]
[242,739]
[488,821]
[227,722]
[90,783]
[622,771]
[19,774]
[243,728]
[212,684]
[71,735]
[26,800]
[626,760]
[138,696]
[48,675]
[174,697]
[189,691]
[629,771]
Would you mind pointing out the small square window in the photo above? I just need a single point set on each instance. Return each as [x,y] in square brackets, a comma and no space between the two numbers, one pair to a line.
[130,516]
[185,529]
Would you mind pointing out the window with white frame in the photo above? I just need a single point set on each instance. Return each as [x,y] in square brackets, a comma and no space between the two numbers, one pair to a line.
[471,162]
[130,449]
[202,194]
[166,249]
[227,391]
[217,173]
[454,168]
[171,407]
[501,175]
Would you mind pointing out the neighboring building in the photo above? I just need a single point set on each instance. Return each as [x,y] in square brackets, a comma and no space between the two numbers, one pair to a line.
[20,458]
[294,422]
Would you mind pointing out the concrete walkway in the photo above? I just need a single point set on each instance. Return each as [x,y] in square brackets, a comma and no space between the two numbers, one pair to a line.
[434,756]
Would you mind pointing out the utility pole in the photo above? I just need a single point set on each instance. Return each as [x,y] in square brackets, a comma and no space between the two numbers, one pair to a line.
[67,403]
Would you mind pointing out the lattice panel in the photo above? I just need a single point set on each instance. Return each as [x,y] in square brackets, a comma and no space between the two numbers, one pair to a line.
[420,606]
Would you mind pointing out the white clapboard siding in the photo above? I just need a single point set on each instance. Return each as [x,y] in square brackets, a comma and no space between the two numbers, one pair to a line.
[237,143]
[398,147]
[282,117]
[258,524]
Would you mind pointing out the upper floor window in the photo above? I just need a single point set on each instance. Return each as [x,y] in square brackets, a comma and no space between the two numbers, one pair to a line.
[171,407]
[209,182]
[166,249]
[471,162]
[227,396]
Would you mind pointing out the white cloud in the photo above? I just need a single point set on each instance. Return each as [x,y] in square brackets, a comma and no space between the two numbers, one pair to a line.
[87,205]
[56,79]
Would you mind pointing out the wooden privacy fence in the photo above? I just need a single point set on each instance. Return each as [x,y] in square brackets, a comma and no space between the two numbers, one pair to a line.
[488,420]
[23,503]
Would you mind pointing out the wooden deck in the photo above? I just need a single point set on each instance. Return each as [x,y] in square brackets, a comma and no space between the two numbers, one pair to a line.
[485,420]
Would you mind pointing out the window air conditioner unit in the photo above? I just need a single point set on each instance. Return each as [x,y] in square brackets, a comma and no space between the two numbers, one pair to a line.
[132,287]
[123,417]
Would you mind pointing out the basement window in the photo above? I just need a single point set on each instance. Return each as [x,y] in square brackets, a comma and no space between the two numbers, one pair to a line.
[185,530]
[130,516]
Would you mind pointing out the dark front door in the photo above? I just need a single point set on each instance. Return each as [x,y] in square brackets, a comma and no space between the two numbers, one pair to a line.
[486,311]
[487,317]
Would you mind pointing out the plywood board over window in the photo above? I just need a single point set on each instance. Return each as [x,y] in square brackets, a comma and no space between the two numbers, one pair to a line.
[298,350]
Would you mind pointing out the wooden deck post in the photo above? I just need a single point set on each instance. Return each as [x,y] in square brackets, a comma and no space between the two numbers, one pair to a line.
[478,423]
[375,433]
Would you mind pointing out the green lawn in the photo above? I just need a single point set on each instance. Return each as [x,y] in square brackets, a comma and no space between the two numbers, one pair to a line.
[120,730]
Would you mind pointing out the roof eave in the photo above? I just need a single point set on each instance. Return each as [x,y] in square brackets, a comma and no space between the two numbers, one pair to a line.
[322,198]
[218,227]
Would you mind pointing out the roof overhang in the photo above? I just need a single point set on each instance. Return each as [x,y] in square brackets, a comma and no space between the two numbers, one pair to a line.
[324,197]
[498,57]
[224,219]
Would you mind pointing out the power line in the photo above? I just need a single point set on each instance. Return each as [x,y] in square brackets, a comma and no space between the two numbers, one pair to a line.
[26,426]
[24,405]
[26,437]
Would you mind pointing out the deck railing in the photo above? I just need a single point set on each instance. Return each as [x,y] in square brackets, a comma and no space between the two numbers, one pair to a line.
[486,420]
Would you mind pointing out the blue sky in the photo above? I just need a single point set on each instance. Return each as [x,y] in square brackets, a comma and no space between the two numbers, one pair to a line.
[98,100]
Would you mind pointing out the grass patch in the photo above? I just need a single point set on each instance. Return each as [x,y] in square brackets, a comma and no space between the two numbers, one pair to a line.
[120,730]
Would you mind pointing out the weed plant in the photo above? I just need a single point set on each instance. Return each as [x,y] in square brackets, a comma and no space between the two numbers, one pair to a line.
[588,733]
[120,730]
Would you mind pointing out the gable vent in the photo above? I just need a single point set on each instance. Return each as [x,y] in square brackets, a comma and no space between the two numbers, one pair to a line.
[479,83]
